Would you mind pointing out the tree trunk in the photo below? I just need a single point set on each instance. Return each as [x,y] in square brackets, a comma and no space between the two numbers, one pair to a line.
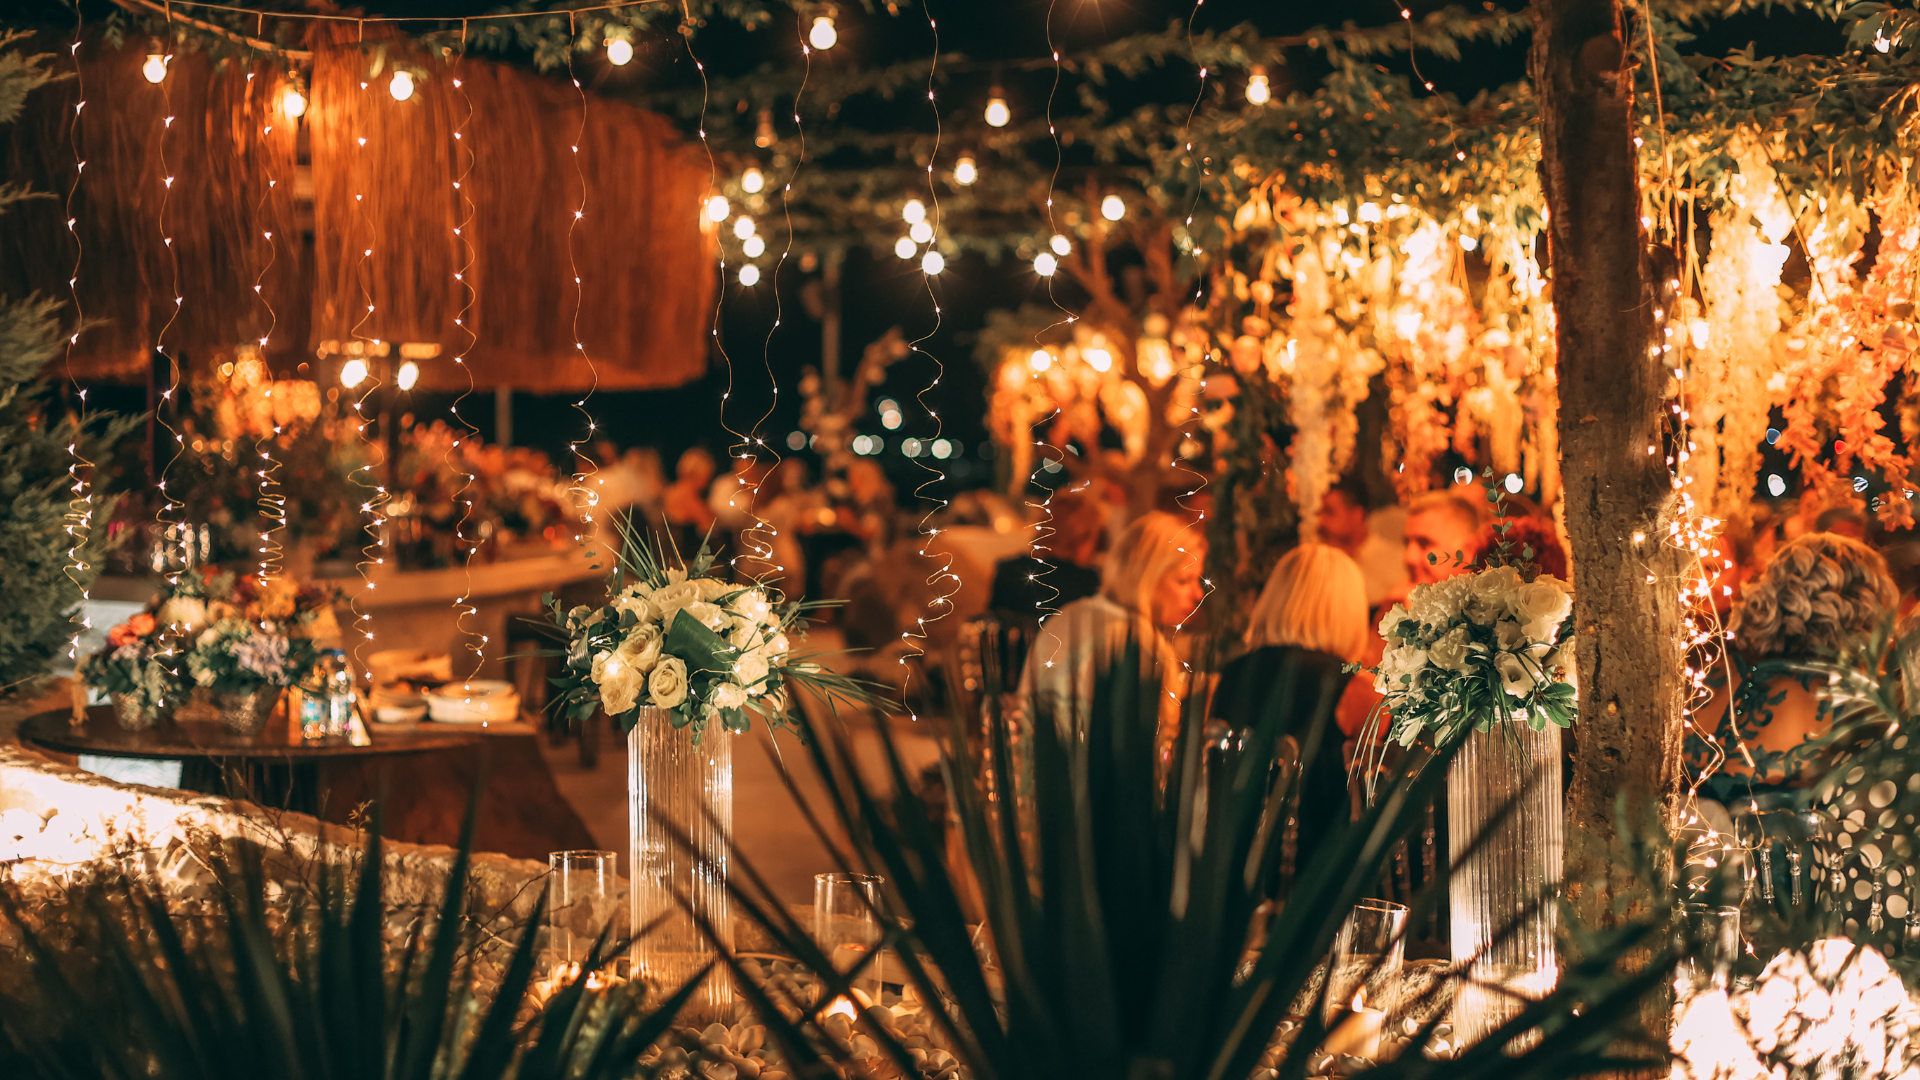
[1613,449]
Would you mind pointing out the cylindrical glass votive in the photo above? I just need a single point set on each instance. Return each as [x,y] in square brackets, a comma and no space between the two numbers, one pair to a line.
[1367,953]
[846,924]
[582,901]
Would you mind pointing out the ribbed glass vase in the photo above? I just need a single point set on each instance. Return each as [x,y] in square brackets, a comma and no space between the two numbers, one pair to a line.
[1517,866]
[674,787]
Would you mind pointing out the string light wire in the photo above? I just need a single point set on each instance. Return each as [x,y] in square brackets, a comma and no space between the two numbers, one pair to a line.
[272,504]
[170,530]
[459,453]
[374,507]
[79,516]
[583,463]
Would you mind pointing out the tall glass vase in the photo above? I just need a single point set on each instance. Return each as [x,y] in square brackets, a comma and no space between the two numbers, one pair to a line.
[674,787]
[1517,868]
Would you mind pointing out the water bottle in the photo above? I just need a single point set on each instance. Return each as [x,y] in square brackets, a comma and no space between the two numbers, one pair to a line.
[313,700]
[340,694]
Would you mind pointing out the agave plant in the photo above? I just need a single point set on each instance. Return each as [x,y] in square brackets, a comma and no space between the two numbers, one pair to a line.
[310,993]
[1129,927]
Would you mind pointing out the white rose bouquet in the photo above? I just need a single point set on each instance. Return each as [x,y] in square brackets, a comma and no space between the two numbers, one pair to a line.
[679,639]
[1481,648]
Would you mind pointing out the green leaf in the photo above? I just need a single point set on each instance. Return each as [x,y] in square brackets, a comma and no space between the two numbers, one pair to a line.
[702,649]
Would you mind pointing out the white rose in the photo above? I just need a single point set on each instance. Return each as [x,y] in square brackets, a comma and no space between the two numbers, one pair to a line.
[620,685]
[1491,593]
[745,634]
[729,696]
[1451,652]
[669,600]
[750,669]
[1390,622]
[668,683]
[775,648]
[710,615]
[641,648]
[1511,636]
[712,588]
[1518,676]
[186,612]
[1405,660]
[1541,606]
[751,605]
[639,604]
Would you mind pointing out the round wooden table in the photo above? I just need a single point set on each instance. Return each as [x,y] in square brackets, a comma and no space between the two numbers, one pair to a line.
[274,766]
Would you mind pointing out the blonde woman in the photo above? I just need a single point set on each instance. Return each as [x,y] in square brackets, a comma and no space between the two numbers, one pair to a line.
[1309,622]
[1150,587]
[1817,593]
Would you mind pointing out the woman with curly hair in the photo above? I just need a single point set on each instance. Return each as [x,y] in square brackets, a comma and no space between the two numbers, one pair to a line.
[1816,594]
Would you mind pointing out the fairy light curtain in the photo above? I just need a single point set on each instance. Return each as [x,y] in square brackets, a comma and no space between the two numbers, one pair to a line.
[645,306]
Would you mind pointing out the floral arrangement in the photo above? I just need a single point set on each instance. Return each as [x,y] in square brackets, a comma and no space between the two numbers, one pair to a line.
[1483,647]
[679,639]
[139,661]
[241,632]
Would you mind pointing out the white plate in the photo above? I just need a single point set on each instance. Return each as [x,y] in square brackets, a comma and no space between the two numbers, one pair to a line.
[482,701]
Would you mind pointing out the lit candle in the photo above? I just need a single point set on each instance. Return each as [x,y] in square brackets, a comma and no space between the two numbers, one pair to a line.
[1358,1035]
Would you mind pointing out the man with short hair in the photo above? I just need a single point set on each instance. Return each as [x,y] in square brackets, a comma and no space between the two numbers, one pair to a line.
[1443,534]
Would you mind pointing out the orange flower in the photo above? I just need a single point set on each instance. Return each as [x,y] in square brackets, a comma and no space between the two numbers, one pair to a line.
[131,631]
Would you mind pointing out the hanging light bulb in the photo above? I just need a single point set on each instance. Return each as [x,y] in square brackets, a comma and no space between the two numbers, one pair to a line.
[933,263]
[752,181]
[754,247]
[1259,92]
[1113,208]
[402,85]
[718,209]
[914,212]
[408,374]
[155,69]
[823,36]
[921,232]
[905,248]
[293,102]
[353,373]
[1061,245]
[997,112]
[763,132]
[743,226]
[619,51]
[1045,264]
[749,275]
[964,170]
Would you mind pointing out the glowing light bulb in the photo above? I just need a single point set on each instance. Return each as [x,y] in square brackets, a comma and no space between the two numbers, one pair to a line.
[619,52]
[823,36]
[1041,360]
[933,263]
[754,247]
[718,209]
[353,373]
[402,85]
[1258,90]
[1061,245]
[763,132]
[749,275]
[905,248]
[920,233]
[1113,208]
[964,170]
[1045,264]
[293,102]
[997,112]
[1468,243]
[1099,359]
[914,212]
[743,226]
[1776,485]
[408,374]
[752,181]
[155,69]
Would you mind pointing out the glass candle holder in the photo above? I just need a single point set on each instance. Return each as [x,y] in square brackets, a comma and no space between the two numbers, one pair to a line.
[1364,972]
[846,925]
[582,902]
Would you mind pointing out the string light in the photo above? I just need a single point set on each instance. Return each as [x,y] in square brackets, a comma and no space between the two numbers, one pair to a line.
[921,233]
[998,115]
[272,504]
[753,247]
[79,516]
[1045,264]
[914,212]
[743,226]
[408,375]
[718,209]
[1061,246]
[353,373]
[932,263]
[293,100]
[905,248]
[584,467]
[964,170]
[763,135]
[1113,208]
[401,85]
[170,530]
[749,275]
[619,51]
[463,605]
[752,181]
[823,36]
[1258,91]
[356,368]
[155,69]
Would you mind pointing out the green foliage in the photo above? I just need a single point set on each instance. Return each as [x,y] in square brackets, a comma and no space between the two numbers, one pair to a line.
[1126,915]
[257,990]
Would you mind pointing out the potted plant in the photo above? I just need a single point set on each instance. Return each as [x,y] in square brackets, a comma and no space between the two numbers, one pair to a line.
[140,670]
[253,643]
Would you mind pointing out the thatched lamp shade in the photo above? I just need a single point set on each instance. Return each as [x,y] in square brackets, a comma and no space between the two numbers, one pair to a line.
[643,253]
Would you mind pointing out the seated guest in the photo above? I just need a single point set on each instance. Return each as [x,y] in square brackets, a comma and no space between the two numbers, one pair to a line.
[1310,620]
[689,520]
[1026,588]
[1817,593]
[1524,533]
[1150,586]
